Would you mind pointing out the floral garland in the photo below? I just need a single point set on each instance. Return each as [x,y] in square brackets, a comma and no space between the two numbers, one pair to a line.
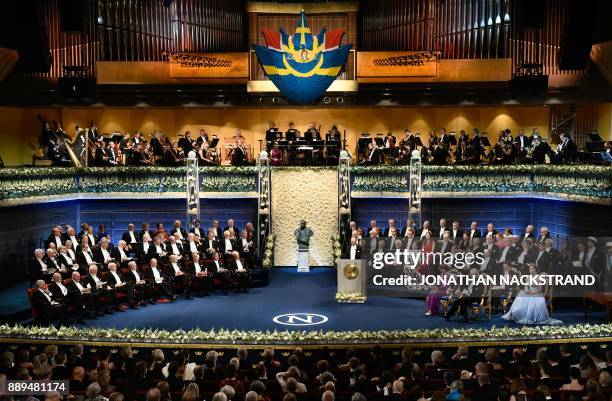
[28,182]
[350,297]
[581,182]
[225,336]
[268,254]
[336,247]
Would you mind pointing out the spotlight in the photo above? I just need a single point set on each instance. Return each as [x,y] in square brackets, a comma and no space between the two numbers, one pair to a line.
[274,100]
[340,100]
[326,100]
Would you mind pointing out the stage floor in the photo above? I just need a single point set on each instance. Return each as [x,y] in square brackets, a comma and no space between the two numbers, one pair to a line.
[291,292]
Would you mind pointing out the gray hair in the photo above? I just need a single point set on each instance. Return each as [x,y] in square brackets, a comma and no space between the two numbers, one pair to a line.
[93,390]
[228,391]
[252,396]
[358,397]
[219,397]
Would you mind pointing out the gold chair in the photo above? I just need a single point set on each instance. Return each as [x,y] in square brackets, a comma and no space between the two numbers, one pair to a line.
[485,303]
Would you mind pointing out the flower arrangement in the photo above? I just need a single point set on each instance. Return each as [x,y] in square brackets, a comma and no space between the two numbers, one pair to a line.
[337,247]
[46,181]
[579,182]
[350,297]
[225,336]
[268,253]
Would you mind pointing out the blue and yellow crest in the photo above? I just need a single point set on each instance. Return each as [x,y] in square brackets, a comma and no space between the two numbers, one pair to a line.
[302,66]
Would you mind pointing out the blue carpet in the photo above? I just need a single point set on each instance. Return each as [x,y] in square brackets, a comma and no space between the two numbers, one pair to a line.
[292,292]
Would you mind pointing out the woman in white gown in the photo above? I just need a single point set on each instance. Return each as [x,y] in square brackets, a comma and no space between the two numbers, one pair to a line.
[529,306]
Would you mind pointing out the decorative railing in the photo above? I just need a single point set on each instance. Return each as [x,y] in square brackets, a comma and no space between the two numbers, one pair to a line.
[20,183]
[578,182]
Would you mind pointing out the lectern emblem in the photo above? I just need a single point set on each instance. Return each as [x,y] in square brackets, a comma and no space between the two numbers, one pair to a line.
[300,319]
[351,271]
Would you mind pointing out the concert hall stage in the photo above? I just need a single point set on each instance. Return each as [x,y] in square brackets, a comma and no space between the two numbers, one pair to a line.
[290,292]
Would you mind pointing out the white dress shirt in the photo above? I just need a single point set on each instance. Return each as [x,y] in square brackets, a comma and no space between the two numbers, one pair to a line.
[353,251]
[132,237]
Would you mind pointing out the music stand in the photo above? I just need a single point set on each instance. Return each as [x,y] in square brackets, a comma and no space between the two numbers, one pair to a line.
[417,141]
[214,142]
[452,139]
[484,141]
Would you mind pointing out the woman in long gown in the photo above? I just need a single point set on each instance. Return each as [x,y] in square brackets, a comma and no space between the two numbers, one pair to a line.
[436,294]
[529,306]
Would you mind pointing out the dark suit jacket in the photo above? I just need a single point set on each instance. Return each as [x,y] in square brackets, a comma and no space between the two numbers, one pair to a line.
[42,305]
[458,236]
[153,251]
[179,246]
[126,237]
[347,252]
[183,232]
[487,392]
[56,292]
[222,249]
[211,267]
[236,231]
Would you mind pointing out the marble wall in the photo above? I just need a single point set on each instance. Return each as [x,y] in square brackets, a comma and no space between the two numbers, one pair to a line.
[310,194]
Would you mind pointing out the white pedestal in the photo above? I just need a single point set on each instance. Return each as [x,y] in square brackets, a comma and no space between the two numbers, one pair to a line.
[303,264]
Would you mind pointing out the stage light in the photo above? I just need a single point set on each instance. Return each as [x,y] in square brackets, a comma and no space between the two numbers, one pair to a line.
[326,100]
[340,100]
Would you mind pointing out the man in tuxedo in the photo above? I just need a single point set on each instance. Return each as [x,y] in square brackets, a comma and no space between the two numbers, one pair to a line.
[443,228]
[445,245]
[387,232]
[145,230]
[246,249]
[409,224]
[158,281]
[197,230]
[120,253]
[141,288]
[240,157]
[231,227]
[60,293]
[216,229]
[71,235]
[120,285]
[81,295]
[179,276]
[185,143]
[567,151]
[543,259]
[175,247]
[240,273]
[312,134]
[178,229]
[131,237]
[594,262]
[200,278]
[464,297]
[39,270]
[47,310]
[456,233]
[192,245]
[157,249]
[352,250]
[544,235]
[102,290]
[491,231]
[393,236]
[529,232]
[410,237]
[372,227]
[216,268]
[474,230]
[56,237]
[227,245]
[292,134]
[374,156]
[203,137]
[102,255]
[210,245]
[52,260]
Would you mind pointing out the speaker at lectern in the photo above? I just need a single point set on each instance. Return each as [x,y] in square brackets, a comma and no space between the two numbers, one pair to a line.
[351,278]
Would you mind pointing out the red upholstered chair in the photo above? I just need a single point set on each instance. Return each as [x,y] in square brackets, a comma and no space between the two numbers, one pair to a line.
[34,311]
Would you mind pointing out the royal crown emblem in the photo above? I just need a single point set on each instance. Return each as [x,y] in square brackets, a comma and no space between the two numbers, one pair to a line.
[302,66]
